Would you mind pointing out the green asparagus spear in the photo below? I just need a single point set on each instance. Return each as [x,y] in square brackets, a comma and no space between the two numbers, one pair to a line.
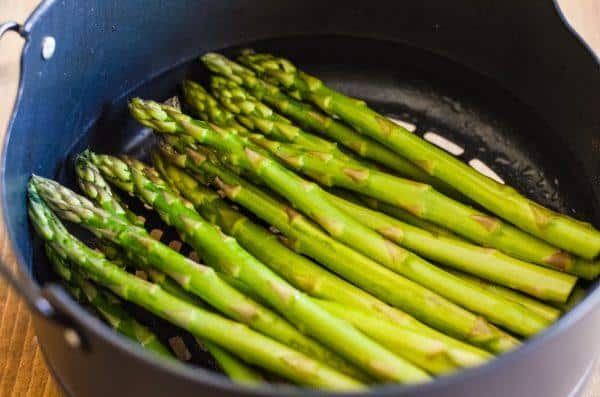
[223,253]
[577,296]
[307,238]
[543,309]
[314,201]
[396,212]
[193,277]
[94,185]
[399,192]
[422,201]
[236,369]
[107,305]
[251,115]
[512,316]
[297,269]
[430,354]
[310,118]
[437,357]
[487,263]
[254,347]
[559,230]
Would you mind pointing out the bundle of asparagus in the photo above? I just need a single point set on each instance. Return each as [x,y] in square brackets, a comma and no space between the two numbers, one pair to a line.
[395,278]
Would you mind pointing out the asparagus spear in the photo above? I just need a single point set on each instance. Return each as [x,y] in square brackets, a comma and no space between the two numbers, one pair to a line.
[107,305]
[94,185]
[310,118]
[428,353]
[236,369]
[298,270]
[577,296]
[313,200]
[223,253]
[253,116]
[559,230]
[549,312]
[307,238]
[427,204]
[96,188]
[422,201]
[489,264]
[393,211]
[439,358]
[512,316]
[254,347]
[193,277]
[396,212]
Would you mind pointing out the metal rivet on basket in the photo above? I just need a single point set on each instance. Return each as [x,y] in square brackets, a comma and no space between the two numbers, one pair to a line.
[48,47]
[72,338]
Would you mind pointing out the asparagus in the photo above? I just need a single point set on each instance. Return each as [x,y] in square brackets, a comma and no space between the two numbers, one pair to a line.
[252,346]
[545,310]
[193,277]
[577,296]
[307,238]
[512,316]
[298,270]
[252,116]
[236,369]
[559,230]
[310,118]
[438,357]
[428,353]
[486,263]
[394,212]
[107,305]
[422,201]
[94,185]
[223,253]
[418,200]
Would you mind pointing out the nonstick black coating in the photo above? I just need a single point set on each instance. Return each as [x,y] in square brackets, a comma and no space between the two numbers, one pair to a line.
[430,92]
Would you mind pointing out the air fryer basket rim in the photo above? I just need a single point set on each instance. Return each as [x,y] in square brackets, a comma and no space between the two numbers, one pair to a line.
[199,375]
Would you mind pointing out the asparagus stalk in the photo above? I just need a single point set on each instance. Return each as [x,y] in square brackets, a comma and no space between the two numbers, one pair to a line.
[559,230]
[438,357]
[422,201]
[298,270]
[236,369]
[253,116]
[107,305]
[306,196]
[307,238]
[428,353]
[223,253]
[310,118]
[396,212]
[545,310]
[512,316]
[418,200]
[254,347]
[94,185]
[193,277]
[577,296]
[489,264]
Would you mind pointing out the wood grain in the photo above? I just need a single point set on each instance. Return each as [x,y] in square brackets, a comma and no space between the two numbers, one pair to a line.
[22,370]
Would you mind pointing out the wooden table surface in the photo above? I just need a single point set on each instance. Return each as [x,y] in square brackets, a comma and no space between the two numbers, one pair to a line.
[22,369]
